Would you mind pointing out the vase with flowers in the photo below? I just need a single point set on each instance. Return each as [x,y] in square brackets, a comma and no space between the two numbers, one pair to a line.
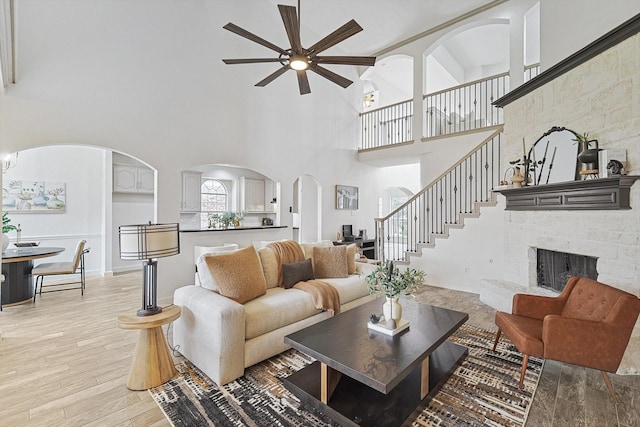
[393,283]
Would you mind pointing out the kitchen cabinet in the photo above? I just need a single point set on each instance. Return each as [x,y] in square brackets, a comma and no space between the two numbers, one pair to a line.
[191,184]
[131,179]
[253,194]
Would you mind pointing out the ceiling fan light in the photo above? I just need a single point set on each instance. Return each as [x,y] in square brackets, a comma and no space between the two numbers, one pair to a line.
[299,62]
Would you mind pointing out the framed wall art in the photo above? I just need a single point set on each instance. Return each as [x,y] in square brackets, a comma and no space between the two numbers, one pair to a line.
[34,196]
[346,197]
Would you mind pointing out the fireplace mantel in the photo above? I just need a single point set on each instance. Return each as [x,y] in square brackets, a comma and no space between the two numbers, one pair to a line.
[591,194]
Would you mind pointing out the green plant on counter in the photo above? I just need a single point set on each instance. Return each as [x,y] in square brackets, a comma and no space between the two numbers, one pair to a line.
[225,219]
[6,224]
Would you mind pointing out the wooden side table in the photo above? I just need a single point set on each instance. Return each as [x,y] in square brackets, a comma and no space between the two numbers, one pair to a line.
[152,364]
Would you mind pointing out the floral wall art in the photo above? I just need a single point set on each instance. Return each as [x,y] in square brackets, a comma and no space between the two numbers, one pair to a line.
[34,196]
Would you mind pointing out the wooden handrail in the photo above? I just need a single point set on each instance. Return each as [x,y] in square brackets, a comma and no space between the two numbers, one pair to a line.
[450,89]
[385,107]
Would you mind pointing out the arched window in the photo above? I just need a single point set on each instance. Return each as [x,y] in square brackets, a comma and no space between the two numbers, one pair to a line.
[213,196]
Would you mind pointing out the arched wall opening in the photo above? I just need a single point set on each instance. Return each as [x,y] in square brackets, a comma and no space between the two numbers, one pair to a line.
[467,53]
[391,81]
[251,196]
[102,189]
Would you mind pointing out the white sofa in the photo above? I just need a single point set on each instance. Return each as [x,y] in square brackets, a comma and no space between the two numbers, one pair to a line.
[222,337]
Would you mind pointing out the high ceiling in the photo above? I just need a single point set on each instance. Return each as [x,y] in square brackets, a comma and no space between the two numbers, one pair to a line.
[385,22]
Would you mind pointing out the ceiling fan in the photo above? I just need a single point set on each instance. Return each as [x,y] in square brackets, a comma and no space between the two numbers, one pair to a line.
[298,58]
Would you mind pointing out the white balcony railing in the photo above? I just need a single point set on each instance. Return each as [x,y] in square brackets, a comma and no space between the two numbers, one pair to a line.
[465,107]
[457,109]
[387,125]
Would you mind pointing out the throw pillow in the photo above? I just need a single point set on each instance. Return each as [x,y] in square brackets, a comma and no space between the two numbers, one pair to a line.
[330,262]
[205,278]
[269,266]
[238,274]
[295,272]
[352,250]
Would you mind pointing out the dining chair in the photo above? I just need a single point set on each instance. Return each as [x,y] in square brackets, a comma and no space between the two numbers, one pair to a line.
[73,267]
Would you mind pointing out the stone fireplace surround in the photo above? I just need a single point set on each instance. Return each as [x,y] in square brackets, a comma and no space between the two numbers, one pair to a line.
[613,237]
[601,96]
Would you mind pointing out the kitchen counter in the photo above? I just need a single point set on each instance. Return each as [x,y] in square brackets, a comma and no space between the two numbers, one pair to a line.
[257,227]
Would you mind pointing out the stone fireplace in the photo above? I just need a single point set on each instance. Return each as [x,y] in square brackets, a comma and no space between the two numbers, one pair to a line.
[588,97]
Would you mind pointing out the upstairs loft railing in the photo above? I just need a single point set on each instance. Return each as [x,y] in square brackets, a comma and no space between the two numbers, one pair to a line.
[465,107]
[443,203]
[387,125]
[531,71]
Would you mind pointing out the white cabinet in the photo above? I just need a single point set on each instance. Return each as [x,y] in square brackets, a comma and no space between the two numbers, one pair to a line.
[252,197]
[131,179]
[191,184]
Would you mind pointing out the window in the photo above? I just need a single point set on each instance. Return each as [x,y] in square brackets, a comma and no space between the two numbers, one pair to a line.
[213,196]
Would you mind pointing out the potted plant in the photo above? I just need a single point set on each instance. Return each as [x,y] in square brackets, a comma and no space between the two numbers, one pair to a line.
[238,217]
[391,282]
[6,227]
[228,219]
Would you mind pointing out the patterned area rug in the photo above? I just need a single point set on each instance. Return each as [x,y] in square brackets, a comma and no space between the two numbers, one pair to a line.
[483,391]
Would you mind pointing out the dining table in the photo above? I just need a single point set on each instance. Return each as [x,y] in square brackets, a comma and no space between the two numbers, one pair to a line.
[17,264]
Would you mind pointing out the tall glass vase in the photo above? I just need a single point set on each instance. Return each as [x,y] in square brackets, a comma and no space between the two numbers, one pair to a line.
[391,309]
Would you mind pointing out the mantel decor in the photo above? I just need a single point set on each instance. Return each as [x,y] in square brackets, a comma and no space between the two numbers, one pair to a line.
[595,194]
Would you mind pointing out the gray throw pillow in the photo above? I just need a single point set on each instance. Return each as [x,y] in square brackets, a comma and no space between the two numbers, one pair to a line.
[295,272]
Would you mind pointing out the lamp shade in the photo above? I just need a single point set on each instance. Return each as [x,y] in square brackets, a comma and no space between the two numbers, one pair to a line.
[149,241]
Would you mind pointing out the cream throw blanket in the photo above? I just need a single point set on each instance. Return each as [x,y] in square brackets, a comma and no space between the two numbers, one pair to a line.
[324,295]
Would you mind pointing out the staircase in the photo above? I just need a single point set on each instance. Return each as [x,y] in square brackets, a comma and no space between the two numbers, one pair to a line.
[446,203]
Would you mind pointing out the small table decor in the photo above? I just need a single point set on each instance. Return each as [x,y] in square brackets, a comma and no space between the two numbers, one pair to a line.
[401,325]
[392,283]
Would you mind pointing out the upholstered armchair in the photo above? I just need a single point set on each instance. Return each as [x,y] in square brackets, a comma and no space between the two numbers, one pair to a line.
[589,324]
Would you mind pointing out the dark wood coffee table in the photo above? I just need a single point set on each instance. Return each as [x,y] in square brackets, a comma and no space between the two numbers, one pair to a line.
[363,377]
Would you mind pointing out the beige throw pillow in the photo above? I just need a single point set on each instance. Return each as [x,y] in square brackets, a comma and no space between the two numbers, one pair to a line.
[330,262]
[269,266]
[238,274]
[352,250]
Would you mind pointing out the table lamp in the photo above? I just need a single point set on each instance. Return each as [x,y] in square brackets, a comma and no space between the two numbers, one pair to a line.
[148,242]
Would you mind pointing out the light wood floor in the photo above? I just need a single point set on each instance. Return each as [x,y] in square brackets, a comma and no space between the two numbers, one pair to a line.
[65,362]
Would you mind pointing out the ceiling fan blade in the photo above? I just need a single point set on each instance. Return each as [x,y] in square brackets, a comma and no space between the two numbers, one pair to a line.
[327,74]
[342,33]
[271,77]
[303,82]
[250,60]
[346,60]
[292,26]
[246,34]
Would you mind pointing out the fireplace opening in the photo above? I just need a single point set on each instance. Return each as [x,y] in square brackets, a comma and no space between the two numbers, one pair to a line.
[554,268]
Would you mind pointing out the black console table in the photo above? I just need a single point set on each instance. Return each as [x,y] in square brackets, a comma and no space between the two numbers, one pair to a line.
[368,246]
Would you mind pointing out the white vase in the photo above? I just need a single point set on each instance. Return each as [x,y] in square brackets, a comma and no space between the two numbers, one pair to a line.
[391,309]
[5,242]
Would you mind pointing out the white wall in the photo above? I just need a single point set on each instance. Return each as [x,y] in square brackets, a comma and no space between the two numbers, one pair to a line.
[82,170]
[576,23]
